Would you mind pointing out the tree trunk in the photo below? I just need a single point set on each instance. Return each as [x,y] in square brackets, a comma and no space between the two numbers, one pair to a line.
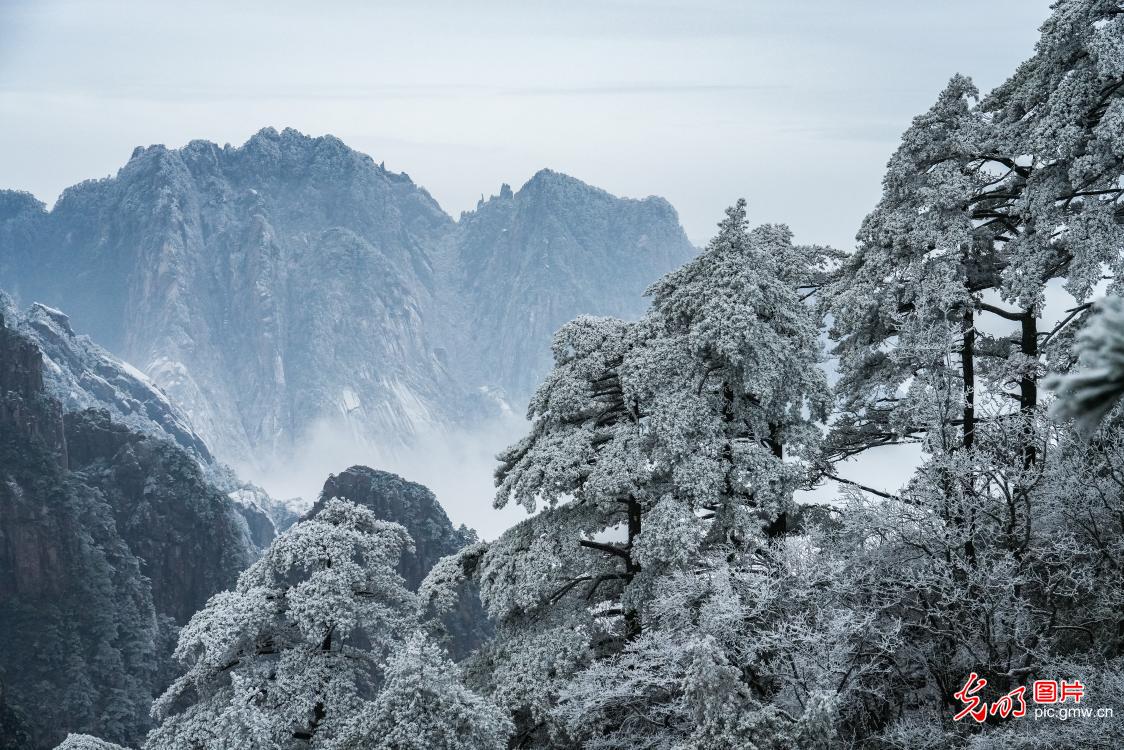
[632,626]
[1028,384]
[968,373]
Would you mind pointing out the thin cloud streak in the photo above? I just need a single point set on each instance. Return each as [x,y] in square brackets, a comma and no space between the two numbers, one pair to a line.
[412,91]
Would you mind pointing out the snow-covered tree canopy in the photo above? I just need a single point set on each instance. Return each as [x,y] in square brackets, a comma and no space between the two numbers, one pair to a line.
[651,442]
[286,656]
[1092,392]
[985,204]
[706,389]
[423,705]
[996,552]
[319,646]
[86,742]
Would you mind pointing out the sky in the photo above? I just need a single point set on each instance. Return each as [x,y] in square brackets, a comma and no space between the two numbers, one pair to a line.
[794,104]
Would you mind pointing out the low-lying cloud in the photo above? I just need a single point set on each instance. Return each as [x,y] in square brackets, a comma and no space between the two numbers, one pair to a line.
[456,464]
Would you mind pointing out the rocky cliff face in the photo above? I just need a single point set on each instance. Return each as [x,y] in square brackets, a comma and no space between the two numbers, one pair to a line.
[79,374]
[526,262]
[270,287]
[109,538]
[189,535]
[266,516]
[23,225]
[392,498]
[262,287]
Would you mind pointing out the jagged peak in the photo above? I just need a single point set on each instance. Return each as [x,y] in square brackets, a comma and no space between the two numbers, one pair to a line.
[373,485]
[548,182]
[547,176]
[289,141]
[267,139]
[82,375]
[543,182]
[201,145]
[293,138]
[359,471]
[18,201]
[551,184]
[141,152]
[268,147]
[268,133]
[40,312]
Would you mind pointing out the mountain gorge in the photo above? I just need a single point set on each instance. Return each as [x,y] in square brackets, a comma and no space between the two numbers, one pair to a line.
[117,525]
[293,282]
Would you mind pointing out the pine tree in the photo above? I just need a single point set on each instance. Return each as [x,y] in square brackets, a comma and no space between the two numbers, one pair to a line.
[985,205]
[651,443]
[286,657]
[904,304]
[86,742]
[424,706]
[738,652]
[1089,394]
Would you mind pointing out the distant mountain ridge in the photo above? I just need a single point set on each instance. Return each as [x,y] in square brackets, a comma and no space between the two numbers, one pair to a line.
[290,281]
[529,261]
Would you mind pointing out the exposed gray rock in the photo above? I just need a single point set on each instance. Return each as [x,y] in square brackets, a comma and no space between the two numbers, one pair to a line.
[269,287]
[82,375]
[266,516]
[527,262]
[262,287]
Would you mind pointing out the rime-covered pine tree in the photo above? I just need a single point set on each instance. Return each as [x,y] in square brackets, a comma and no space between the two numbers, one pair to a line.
[903,303]
[983,207]
[655,446]
[994,555]
[285,658]
[423,705]
[1097,387]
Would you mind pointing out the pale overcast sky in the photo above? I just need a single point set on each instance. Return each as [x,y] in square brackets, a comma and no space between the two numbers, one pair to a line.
[794,104]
